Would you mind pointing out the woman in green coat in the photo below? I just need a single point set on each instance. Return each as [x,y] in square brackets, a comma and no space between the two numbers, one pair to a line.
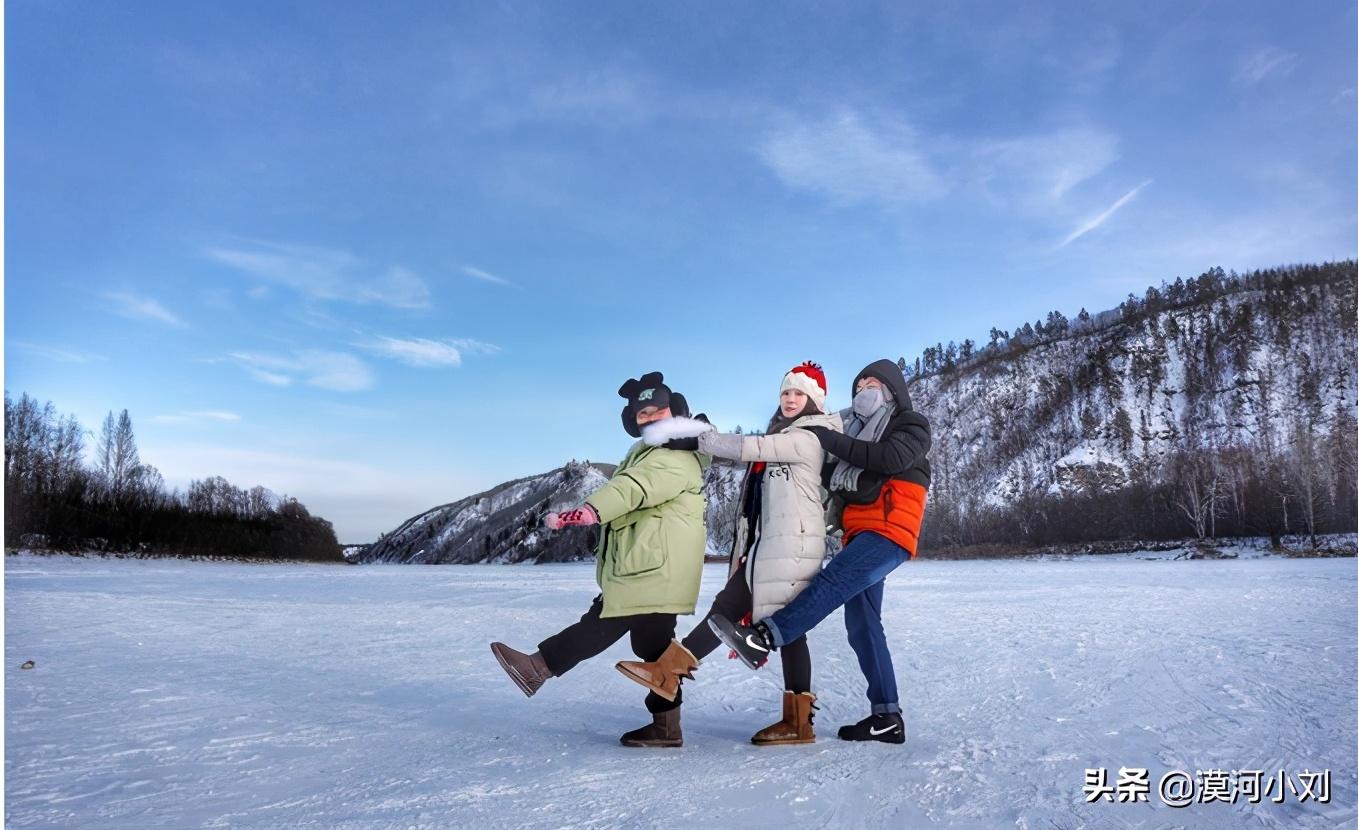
[648,563]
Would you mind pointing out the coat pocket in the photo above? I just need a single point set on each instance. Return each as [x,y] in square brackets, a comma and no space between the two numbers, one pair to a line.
[643,552]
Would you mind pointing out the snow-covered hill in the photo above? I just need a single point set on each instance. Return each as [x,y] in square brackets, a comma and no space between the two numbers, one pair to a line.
[1233,375]
[1221,405]
[504,524]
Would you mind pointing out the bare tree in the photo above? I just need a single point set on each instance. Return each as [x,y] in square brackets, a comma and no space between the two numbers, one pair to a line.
[1303,464]
[260,502]
[67,449]
[1197,490]
[116,454]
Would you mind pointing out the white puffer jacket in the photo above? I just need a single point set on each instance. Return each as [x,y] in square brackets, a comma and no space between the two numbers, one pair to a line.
[789,544]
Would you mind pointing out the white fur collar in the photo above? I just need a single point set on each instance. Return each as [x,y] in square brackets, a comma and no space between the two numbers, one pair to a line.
[658,432]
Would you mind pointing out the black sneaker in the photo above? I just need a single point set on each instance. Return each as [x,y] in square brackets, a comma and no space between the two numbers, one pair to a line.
[752,644]
[887,728]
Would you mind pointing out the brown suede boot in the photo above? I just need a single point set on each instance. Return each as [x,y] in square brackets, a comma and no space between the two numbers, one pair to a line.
[663,675]
[528,671]
[662,731]
[795,727]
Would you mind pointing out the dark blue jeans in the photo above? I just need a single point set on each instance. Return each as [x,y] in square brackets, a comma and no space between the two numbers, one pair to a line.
[854,579]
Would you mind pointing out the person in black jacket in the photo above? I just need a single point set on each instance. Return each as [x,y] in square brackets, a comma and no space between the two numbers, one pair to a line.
[881,478]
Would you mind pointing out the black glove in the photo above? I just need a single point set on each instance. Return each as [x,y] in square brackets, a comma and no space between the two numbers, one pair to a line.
[686,444]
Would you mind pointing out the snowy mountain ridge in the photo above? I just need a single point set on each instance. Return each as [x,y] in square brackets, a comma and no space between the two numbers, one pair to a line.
[1218,406]
[1252,369]
[504,524]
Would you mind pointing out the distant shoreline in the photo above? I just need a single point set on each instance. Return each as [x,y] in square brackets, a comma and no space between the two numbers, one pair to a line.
[183,557]
[1341,545]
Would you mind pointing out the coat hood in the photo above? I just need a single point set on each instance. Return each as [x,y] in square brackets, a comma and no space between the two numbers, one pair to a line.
[890,374]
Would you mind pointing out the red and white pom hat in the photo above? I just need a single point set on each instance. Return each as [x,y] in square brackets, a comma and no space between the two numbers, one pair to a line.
[809,378]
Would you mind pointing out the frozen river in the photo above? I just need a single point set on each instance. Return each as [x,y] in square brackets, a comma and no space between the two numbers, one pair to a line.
[192,694]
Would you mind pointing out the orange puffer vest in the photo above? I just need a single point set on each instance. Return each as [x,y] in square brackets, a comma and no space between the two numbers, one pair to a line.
[896,514]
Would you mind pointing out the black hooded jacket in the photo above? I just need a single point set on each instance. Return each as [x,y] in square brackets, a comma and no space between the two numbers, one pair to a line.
[901,453]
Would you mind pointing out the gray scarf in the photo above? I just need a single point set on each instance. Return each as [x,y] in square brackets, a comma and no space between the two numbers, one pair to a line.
[870,427]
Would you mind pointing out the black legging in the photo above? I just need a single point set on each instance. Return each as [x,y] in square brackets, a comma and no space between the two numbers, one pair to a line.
[733,602]
[593,634]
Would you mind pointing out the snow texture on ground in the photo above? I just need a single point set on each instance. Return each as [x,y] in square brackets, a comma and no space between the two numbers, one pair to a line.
[194,694]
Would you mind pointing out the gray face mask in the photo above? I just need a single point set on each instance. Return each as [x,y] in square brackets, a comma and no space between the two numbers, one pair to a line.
[868,401]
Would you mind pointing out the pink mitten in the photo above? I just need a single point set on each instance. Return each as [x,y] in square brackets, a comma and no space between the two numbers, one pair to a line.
[579,516]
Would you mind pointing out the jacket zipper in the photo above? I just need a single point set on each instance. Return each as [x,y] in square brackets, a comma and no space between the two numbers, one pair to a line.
[886,502]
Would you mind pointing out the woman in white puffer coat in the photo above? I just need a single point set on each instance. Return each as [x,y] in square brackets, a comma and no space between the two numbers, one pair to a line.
[779,541]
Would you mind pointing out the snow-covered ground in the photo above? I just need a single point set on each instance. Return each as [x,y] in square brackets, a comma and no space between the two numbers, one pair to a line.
[200,694]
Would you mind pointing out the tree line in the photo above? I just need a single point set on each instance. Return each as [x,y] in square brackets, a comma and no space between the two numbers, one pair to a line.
[54,500]
[1212,284]
[1308,489]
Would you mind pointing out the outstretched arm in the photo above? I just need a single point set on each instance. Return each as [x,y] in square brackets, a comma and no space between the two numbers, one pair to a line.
[893,455]
[795,446]
[658,477]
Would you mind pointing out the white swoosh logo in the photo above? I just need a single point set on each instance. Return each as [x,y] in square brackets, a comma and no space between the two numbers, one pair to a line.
[872,731]
[749,639]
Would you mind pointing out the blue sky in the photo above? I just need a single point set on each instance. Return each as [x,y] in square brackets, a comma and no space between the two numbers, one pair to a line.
[380,257]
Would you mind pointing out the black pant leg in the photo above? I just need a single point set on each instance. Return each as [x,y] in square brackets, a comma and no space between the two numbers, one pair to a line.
[589,637]
[651,635]
[796,657]
[732,602]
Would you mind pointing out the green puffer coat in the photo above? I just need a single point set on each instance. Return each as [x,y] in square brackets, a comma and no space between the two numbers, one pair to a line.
[652,539]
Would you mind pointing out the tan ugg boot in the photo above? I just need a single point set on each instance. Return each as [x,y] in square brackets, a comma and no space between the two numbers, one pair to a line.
[663,730]
[663,675]
[795,727]
[528,671]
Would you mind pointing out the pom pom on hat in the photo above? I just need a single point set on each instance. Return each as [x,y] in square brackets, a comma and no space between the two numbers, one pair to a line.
[809,378]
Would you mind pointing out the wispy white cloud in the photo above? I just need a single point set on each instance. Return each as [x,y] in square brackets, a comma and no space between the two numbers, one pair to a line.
[466,344]
[423,352]
[338,371]
[271,378]
[853,158]
[484,275]
[1263,63]
[1042,168]
[528,91]
[59,355]
[851,161]
[418,352]
[189,417]
[325,274]
[1098,220]
[137,307]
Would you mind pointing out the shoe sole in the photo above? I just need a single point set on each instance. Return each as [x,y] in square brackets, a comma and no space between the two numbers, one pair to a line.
[901,740]
[729,640]
[782,743]
[512,672]
[635,678]
[653,744]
